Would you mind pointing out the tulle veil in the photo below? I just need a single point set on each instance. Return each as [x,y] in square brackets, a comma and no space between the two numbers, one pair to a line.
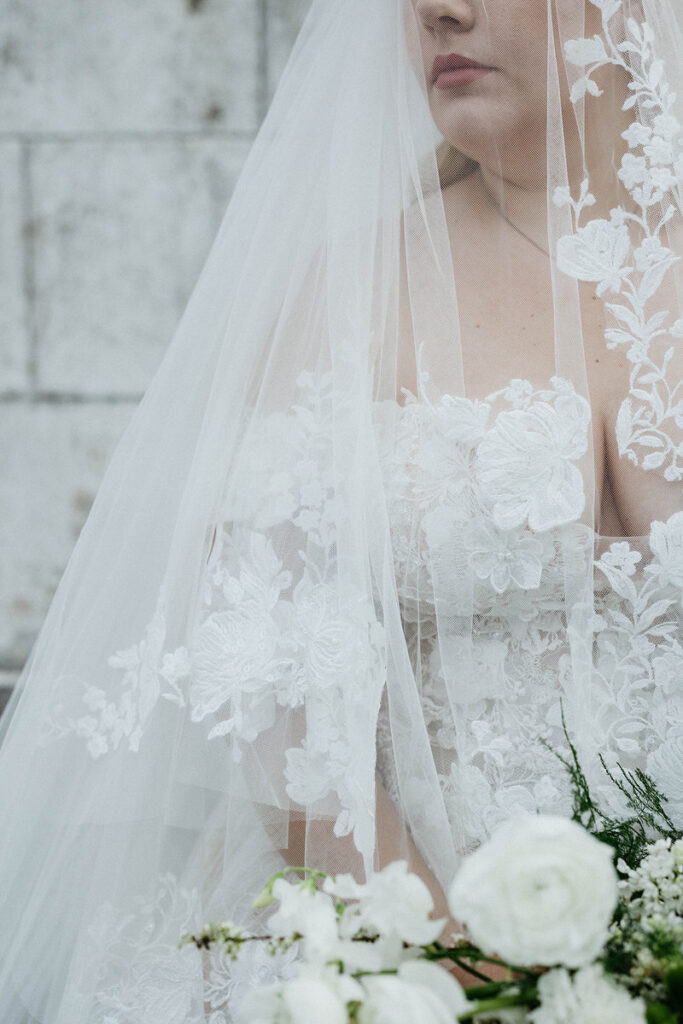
[235,654]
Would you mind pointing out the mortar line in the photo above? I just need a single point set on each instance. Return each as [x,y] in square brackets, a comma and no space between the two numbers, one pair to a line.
[28,260]
[262,60]
[45,397]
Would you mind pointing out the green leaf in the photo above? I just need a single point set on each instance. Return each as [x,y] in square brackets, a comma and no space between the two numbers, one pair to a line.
[658,1013]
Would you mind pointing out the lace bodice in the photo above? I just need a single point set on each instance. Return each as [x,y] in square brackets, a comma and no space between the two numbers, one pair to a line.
[485,511]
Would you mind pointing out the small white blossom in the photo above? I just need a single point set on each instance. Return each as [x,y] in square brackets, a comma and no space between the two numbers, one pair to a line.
[634,170]
[589,997]
[637,134]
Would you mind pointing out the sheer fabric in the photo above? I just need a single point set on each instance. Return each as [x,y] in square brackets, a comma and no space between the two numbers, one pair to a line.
[400,493]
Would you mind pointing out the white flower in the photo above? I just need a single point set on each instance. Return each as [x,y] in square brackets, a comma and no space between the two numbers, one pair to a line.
[637,134]
[597,252]
[307,773]
[420,993]
[665,765]
[309,998]
[589,997]
[659,151]
[542,890]
[666,544]
[585,51]
[505,557]
[650,253]
[621,556]
[525,464]
[662,179]
[393,903]
[308,912]
[562,196]
[667,126]
[633,171]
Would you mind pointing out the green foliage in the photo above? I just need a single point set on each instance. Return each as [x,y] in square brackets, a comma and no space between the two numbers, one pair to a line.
[629,837]
[674,986]
[658,1013]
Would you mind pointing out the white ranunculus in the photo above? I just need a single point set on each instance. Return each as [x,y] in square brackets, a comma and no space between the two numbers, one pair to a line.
[393,902]
[589,997]
[420,993]
[542,890]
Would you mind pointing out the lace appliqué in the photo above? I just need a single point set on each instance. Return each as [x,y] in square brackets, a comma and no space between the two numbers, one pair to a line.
[149,674]
[490,692]
[137,974]
[637,683]
[273,630]
[626,255]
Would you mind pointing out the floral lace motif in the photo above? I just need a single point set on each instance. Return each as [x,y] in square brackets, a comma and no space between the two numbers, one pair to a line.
[626,255]
[497,538]
[269,635]
[141,976]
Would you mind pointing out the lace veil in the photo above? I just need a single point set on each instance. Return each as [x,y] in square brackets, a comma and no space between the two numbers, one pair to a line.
[405,487]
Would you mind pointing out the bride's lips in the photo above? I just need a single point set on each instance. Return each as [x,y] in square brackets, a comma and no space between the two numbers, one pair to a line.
[453,69]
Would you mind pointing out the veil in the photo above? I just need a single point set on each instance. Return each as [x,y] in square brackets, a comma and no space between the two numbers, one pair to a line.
[404,490]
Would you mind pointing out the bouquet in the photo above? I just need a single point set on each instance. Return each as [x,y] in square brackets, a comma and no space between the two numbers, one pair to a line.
[585,913]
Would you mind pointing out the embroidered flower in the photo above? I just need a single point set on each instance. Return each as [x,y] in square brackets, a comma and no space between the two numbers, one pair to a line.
[666,544]
[622,557]
[665,765]
[637,134]
[597,253]
[634,170]
[505,558]
[525,464]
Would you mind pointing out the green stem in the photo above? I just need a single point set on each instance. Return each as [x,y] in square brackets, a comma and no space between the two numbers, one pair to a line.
[492,989]
[436,951]
[486,1005]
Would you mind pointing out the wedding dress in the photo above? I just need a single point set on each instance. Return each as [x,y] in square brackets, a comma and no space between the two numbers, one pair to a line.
[304,576]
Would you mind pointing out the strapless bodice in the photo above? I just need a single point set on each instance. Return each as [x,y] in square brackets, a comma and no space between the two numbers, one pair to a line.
[515,609]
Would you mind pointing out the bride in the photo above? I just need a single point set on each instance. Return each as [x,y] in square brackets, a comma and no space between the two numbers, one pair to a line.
[397,519]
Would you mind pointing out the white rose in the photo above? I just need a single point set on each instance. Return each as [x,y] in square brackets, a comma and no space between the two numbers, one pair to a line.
[420,993]
[542,890]
[589,997]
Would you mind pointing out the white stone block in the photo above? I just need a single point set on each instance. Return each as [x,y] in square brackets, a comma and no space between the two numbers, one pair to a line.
[14,342]
[52,458]
[124,230]
[128,65]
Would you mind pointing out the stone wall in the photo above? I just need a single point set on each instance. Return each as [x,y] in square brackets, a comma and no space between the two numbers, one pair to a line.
[123,128]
